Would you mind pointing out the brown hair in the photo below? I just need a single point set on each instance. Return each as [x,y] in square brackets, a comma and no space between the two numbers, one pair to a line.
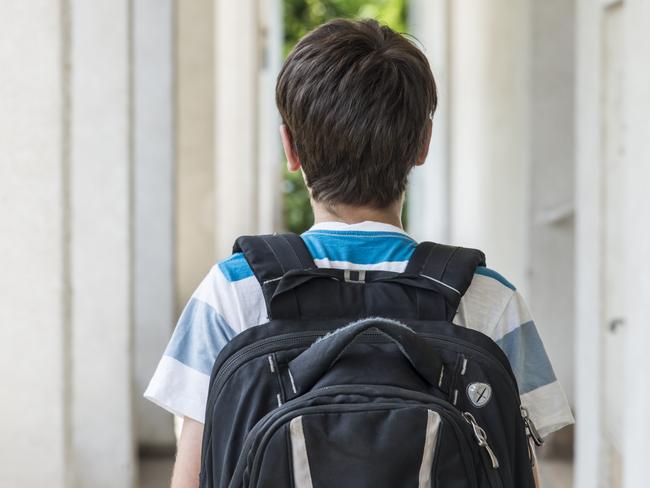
[356,96]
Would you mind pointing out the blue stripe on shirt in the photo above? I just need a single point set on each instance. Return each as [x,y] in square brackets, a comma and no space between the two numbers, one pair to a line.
[526,354]
[235,267]
[359,247]
[199,336]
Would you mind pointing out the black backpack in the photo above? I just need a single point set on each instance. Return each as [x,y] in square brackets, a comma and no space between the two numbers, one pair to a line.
[359,379]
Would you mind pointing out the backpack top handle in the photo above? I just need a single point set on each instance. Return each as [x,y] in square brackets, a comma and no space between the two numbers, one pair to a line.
[312,364]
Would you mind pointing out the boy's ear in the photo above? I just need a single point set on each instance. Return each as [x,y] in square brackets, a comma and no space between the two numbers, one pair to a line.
[425,147]
[293,163]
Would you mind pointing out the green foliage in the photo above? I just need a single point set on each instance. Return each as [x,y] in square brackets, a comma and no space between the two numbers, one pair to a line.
[301,16]
[298,216]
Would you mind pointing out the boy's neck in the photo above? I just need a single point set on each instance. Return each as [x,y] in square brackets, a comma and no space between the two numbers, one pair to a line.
[350,214]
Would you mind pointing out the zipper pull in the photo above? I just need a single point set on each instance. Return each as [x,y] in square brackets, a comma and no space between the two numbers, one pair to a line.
[481,438]
[530,427]
[493,458]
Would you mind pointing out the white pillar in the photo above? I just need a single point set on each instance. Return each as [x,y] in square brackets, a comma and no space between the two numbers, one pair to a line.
[101,243]
[247,139]
[550,223]
[237,58]
[195,108]
[428,193]
[590,460]
[488,132]
[34,282]
[66,300]
[153,153]
[637,225]
[269,181]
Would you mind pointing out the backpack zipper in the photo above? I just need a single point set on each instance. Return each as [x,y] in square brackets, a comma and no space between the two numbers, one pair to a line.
[266,427]
[490,461]
[530,427]
[271,344]
[481,438]
[299,339]
[255,349]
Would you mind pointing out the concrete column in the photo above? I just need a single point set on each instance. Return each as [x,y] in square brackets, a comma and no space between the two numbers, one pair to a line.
[34,282]
[637,239]
[153,152]
[247,149]
[237,61]
[195,209]
[66,308]
[551,180]
[101,242]
[270,155]
[594,94]
[428,193]
[488,140]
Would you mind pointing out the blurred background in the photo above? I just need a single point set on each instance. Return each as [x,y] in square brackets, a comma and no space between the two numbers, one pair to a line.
[138,138]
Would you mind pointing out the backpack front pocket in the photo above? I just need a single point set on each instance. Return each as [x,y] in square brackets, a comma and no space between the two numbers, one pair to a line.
[378,446]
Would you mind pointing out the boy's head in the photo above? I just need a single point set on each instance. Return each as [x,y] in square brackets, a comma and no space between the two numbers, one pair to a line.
[356,100]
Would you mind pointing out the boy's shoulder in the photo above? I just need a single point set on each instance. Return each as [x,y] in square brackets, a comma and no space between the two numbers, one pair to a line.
[495,276]
[486,301]
[235,267]
[373,247]
[491,304]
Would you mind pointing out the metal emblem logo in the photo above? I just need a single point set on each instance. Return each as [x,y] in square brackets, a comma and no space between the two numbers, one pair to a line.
[479,393]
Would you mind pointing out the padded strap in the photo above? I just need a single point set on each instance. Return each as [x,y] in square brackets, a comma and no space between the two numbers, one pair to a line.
[450,266]
[270,256]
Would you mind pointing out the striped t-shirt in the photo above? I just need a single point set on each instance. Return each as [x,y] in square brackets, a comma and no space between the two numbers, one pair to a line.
[229,300]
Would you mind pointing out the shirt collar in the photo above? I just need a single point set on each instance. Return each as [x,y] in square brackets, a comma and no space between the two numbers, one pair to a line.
[365,226]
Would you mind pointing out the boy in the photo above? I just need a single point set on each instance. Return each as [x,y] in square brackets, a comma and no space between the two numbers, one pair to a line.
[357,102]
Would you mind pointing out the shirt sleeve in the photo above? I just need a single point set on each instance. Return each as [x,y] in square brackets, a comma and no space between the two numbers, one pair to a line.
[181,380]
[541,394]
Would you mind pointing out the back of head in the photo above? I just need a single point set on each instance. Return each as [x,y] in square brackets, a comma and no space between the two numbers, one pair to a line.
[356,97]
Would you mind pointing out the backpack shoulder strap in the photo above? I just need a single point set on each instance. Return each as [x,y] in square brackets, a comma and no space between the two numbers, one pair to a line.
[270,256]
[450,266]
